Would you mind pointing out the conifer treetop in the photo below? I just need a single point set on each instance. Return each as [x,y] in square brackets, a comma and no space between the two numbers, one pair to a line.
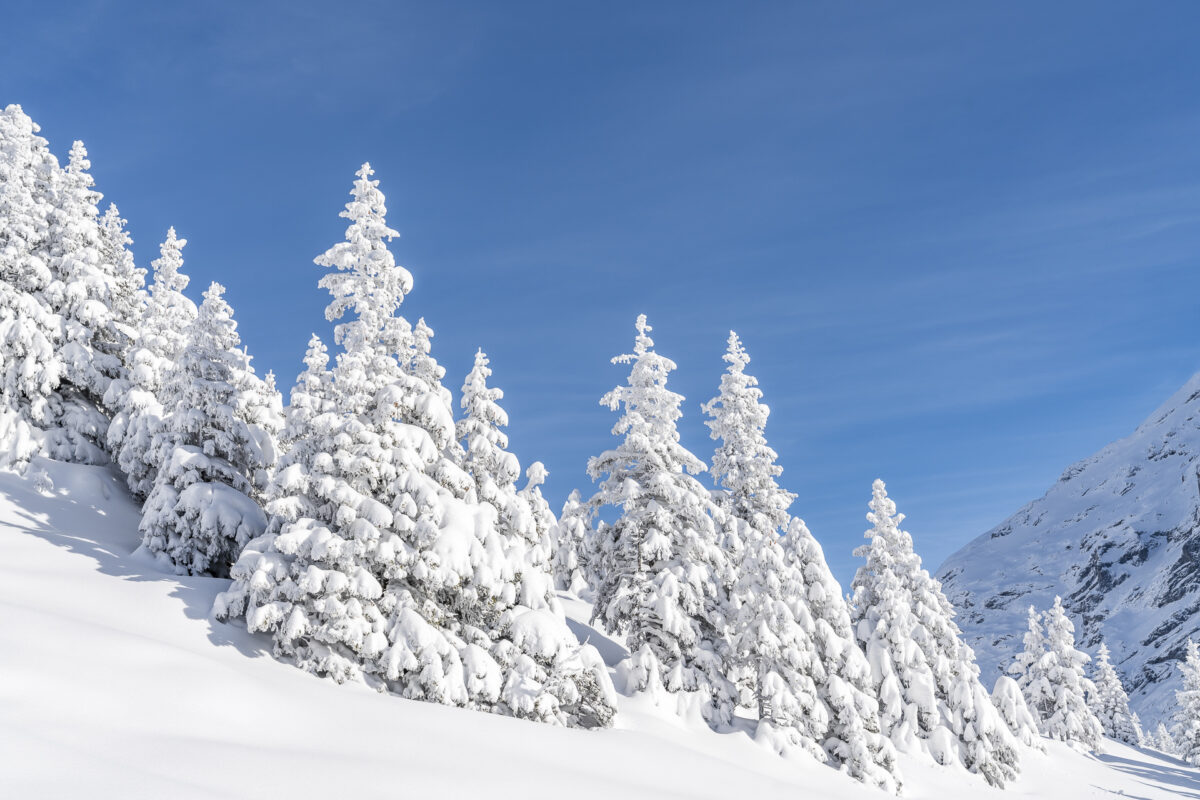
[366,278]
[744,464]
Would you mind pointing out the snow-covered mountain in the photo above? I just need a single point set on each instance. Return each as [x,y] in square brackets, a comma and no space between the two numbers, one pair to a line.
[1118,537]
[117,682]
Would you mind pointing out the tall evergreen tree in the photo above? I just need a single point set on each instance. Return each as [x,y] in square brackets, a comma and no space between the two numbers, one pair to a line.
[855,736]
[773,639]
[139,402]
[571,545]
[538,535]
[1050,672]
[395,578]
[523,518]
[1161,740]
[659,565]
[31,367]
[200,513]
[485,446]
[309,420]
[84,283]
[926,676]
[261,405]
[744,464]
[80,293]
[1110,703]
[1185,736]
[127,295]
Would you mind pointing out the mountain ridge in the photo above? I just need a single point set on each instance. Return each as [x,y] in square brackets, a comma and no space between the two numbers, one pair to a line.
[1118,537]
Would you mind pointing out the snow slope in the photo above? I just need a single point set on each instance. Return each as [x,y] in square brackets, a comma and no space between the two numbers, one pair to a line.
[115,683]
[1118,536]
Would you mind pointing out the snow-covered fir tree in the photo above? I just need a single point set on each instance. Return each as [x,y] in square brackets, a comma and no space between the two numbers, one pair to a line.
[803,672]
[395,576]
[570,545]
[1185,734]
[523,518]
[261,405]
[744,464]
[926,677]
[661,571]
[31,366]
[127,290]
[1161,740]
[201,511]
[486,458]
[82,292]
[1110,703]
[311,396]
[1050,671]
[776,640]
[1010,702]
[1027,665]
[309,420]
[854,739]
[772,638]
[139,401]
[538,533]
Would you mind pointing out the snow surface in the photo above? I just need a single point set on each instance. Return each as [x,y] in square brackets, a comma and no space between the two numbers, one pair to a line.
[115,682]
[1118,537]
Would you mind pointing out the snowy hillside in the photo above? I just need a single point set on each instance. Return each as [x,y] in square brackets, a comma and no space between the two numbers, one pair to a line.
[117,683]
[1117,536]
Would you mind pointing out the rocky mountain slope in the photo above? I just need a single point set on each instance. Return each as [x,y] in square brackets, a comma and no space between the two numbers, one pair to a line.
[1118,537]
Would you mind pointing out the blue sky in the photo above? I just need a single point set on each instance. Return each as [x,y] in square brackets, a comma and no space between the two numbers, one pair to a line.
[960,242]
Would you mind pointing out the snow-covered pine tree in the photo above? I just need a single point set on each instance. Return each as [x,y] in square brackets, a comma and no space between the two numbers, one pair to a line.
[1010,702]
[423,366]
[1110,703]
[486,458]
[885,625]
[82,293]
[139,402]
[854,738]
[1027,670]
[395,578]
[127,295]
[523,518]
[200,513]
[1161,740]
[571,545]
[1050,671]
[309,420]
[744,464]
[30,331]
[1185,735]
[660,565]
[261,406]
[926,676]
[338,624]
[311,396]
[1071,719]
[538,533]
[772,638]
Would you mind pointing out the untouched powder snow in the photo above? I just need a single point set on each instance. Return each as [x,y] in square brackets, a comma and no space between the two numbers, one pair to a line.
[116,683]
[1118,537]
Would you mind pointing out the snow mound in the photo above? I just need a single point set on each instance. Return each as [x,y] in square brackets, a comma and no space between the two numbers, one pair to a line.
[118,684]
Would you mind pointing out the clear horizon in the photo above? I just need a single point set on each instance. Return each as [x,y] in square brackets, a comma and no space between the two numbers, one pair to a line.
[960,248]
